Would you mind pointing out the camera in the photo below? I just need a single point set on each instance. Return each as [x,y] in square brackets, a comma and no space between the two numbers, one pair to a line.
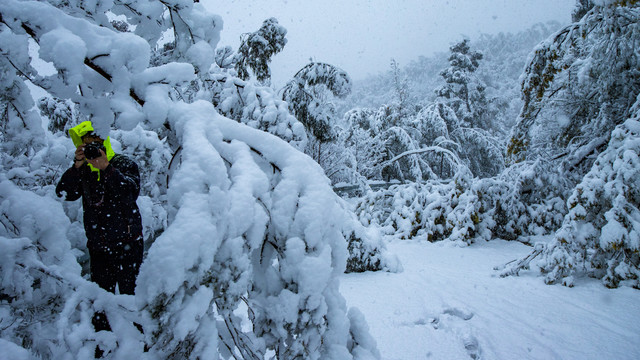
[92,150]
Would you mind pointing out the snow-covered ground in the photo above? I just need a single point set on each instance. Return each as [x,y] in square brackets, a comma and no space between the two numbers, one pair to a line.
[449,304]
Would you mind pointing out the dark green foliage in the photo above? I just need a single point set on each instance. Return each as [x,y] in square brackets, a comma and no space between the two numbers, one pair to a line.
[463,91]
[256,50]
[120,26]
[59,112]
[582,7]
[360,258]
[307,95]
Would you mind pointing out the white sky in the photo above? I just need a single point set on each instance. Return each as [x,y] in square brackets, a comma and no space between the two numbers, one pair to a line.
[362,36]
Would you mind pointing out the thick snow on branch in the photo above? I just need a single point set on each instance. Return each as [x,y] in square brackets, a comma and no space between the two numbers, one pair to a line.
[249,236]
[246,205]
[600,234]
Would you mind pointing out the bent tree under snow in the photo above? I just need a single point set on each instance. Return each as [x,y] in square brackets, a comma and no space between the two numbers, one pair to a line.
[249,204]
[582,106]
[600,235]
[247,263]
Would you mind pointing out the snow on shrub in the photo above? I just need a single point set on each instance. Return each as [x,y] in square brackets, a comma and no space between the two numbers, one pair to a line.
[464,209]
[367,249]
[581,113]
[425,211]
[599,236]
[46,305]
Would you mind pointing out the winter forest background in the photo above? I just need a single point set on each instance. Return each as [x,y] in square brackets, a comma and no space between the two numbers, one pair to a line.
[256,200]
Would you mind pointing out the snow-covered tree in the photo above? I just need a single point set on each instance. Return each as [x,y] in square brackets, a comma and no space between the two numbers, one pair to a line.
[364,148]
[579,115]
[473,123]
[247,229]
[256,106]
[401,90]
[463,91]
[257,49]
[579,84]
[600,236]
[582,7]
[309,95]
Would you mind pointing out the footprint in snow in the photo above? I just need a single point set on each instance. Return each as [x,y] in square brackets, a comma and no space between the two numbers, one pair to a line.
[463,314]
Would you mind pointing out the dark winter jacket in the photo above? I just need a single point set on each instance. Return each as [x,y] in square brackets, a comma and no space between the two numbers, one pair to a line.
[108,198]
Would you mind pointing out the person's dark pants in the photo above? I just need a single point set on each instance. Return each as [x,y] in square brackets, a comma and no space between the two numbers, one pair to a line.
[115,264]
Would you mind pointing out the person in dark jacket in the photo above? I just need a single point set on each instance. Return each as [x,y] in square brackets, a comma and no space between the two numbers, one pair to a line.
[109,185]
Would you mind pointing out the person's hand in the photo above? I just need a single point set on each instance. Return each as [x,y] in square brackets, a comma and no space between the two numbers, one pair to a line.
[79,159]
[100,162]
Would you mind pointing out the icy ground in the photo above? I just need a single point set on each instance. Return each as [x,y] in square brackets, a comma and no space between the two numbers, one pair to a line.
[448,304]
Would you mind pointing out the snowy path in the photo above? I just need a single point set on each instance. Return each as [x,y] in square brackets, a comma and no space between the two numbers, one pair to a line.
[448,304]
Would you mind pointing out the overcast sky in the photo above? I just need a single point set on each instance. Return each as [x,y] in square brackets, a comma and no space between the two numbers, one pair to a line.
[361,36]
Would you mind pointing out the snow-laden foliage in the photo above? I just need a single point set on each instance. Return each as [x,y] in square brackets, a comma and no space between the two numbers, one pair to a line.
[426,211]
[582,7]
[59,112]
[256,50]
[477,148]
[358,152]
[516,205]
[428,145]
[578,86]
[426,142]
[463,91]
[253,105]
[600,235]
[384,145]
[472,126]
[367,250]
[248,203]
[46,305]
[406,97]
[308,97]
[480,150]
[249,239]
[581,84]
[34,256]
[246,102]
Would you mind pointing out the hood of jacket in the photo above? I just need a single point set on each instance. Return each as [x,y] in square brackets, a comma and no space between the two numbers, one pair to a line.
[77,132]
